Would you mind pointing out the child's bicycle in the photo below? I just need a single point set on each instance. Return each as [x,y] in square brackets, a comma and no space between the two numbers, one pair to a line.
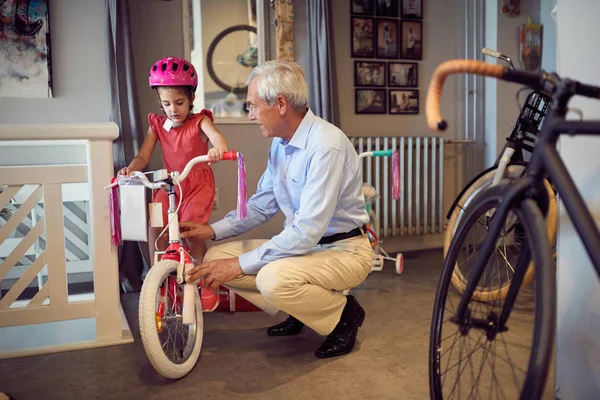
[170,312]
[469,346]
[370,194]
[510,165]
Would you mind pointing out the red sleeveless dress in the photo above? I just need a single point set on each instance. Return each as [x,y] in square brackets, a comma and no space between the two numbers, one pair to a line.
[180,145]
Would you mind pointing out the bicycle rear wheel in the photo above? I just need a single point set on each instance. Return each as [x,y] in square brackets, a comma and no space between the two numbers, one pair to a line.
[473,358]
[498,286]
[172,347]
[231,56]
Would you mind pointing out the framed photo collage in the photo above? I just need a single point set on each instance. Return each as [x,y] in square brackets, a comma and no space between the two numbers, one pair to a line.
[386,36]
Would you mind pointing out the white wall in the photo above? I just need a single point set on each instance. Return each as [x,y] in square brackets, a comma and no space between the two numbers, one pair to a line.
[79,71]
[578,325]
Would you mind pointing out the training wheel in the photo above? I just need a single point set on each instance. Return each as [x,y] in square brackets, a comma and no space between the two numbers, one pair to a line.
[399,263]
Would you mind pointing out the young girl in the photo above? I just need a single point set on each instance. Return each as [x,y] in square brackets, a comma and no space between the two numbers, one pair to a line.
[183,136]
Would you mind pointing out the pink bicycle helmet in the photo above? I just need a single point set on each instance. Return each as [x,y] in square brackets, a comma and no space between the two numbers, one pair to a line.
[173,71]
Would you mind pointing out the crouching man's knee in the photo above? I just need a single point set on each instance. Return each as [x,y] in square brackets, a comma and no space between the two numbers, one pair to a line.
[273,284]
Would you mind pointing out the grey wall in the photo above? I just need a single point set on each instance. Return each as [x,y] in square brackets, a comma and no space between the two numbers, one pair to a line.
[440,43]
[78,54]
[577,343]
[549,39]
[507,41]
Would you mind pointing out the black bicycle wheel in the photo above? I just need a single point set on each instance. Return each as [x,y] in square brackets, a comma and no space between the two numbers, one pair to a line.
[231,56]
[473,358]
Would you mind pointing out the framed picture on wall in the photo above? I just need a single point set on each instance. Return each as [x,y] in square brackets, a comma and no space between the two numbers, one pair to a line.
[404,101]
[362,7]
[370,101]
[369,73]
[411,33]
[362,37]
[386,8]
[411,9]
[401,74]
[387,38]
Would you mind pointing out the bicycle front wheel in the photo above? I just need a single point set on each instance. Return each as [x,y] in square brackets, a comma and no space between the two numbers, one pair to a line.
[475,357]
[231,56]
[498,284]
[172,347]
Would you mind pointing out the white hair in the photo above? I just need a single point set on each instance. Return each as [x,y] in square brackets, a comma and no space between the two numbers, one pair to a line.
[278,77]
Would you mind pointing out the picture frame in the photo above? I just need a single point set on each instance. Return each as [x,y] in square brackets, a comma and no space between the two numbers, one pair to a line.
[387,38]
[370,101]
[411,9]
[411,40]
[369,73]
[362,7]
[404,101]
[386,8]
[362,40]
[403,74]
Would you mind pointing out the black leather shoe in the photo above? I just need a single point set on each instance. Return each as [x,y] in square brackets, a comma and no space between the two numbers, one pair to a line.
[289,327]
[343,337]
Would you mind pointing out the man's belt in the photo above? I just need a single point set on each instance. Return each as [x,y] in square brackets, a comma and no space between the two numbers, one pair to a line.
[341,236]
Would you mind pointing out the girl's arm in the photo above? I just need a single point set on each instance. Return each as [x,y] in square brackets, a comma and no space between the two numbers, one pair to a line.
[143,157]
[216,138]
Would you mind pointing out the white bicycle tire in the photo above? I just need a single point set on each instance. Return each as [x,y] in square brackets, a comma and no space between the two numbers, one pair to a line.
[148,329]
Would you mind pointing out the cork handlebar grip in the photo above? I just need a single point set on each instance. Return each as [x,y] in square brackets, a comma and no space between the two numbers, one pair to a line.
[435,121]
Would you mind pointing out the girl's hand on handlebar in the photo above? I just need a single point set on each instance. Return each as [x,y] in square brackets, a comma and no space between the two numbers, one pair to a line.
[216,154]
[125,171]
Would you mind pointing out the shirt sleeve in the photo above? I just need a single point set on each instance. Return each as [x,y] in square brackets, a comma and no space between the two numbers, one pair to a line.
[262,206]
[154,123]
[318,201]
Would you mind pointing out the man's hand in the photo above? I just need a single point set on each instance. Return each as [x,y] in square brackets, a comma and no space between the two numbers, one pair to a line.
[216,272]
[195,231]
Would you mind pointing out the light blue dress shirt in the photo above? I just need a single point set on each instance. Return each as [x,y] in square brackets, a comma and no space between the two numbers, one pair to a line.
[315,180]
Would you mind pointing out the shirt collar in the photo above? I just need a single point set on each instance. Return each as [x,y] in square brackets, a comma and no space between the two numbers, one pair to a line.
[301,135]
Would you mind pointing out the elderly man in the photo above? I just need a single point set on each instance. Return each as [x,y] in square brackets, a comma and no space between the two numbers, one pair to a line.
[313,177]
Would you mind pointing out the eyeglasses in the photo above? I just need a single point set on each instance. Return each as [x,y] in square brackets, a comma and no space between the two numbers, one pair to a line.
[250,107]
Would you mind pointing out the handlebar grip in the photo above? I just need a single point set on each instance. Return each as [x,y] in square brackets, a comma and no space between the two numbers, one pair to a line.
[588,90]
[490,52]
[230,156]
[534,80]
[383,153]
[435,121]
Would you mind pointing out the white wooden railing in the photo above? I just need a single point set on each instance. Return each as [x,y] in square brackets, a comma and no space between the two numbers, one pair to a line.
[43,165]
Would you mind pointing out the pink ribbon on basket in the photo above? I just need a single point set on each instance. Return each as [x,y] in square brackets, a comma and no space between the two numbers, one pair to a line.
[115,215]
[395,176]
[242,209]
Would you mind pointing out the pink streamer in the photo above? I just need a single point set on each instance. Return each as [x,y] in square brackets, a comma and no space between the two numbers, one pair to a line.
[242,209]
[115,217]
[395,176]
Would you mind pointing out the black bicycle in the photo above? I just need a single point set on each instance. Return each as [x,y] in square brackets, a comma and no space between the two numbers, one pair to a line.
[482,349]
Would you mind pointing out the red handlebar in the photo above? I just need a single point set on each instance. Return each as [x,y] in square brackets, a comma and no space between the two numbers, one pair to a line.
[230,156]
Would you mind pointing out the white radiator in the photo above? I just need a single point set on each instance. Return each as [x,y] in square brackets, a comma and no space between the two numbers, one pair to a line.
[419,210]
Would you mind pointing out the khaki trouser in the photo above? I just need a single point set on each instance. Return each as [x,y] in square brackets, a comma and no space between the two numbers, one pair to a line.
[307,287]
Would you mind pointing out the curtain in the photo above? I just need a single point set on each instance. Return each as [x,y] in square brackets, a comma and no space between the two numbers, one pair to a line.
[124,112]
[319,59]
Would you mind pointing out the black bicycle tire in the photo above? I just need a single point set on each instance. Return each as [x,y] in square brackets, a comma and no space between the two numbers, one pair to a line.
[211,49]
[545,304]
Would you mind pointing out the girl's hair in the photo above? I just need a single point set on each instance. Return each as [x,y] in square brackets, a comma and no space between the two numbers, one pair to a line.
[283,78]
